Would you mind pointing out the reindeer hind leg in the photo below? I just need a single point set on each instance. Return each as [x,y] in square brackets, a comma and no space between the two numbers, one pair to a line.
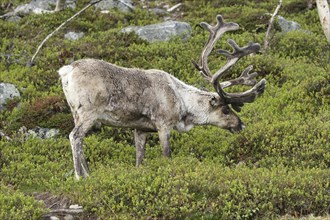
[76,139]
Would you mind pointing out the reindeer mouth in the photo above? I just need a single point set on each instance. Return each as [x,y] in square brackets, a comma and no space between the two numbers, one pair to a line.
[237,129]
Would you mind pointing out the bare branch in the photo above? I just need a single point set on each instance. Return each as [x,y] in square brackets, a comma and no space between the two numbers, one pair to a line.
[59,27]
[271,23]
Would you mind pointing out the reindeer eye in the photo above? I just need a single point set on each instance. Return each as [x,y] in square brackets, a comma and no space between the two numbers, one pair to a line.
[225,110]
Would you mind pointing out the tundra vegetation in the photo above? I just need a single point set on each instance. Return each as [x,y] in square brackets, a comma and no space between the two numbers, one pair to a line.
[278,167]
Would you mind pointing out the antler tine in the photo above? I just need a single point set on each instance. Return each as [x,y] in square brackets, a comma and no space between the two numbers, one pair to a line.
[233,57]
[215,33]
[237,100]
[244,79]
[240,51]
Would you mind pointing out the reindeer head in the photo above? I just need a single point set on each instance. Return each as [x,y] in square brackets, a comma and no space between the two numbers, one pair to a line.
[224,104]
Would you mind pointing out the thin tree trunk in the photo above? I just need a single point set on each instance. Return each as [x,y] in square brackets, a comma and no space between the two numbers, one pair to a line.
[324,14]
[271,23]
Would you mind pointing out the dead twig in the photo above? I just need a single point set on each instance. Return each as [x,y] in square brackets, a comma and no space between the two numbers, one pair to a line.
[66,211]
[171,9]
[271,23]
[59,27]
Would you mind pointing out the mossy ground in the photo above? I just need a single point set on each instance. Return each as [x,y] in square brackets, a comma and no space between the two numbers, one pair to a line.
[278,166]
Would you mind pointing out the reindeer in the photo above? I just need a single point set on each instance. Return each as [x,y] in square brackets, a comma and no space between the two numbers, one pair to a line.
[153,100]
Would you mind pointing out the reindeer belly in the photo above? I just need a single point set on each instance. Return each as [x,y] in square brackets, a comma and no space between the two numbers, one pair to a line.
[127,119]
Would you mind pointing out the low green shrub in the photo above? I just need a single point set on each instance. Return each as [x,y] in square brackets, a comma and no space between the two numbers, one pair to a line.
[16,206]
[49,112]
[194,184]
[34,164]
[186,188]
[296,44]
[249,18]
[294,6]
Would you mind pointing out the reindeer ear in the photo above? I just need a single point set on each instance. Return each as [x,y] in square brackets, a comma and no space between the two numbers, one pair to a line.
[215,101]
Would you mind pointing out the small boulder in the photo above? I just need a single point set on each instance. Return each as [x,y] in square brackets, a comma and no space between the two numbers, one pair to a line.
[7,91]
[43,133]
[50,4]
[161,32]
[25,9]
[3,135]
[68,217]
[36,7]
[123,5]
[14,18]
[73,35]
[43,4]
[286,25]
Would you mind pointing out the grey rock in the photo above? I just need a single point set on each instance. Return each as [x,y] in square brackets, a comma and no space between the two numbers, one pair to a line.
[43,133]
[7,91]
[3,135]
[161,32]
[123,5]
[37,7]
[73,35]
[68,217]
[54,218]
[158,11]
[286,25]
[43,4]
[14,18]
[50,4]
[23,10]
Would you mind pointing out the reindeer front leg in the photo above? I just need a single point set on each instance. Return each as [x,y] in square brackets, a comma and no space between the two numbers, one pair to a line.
[140,143]
[164,138]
